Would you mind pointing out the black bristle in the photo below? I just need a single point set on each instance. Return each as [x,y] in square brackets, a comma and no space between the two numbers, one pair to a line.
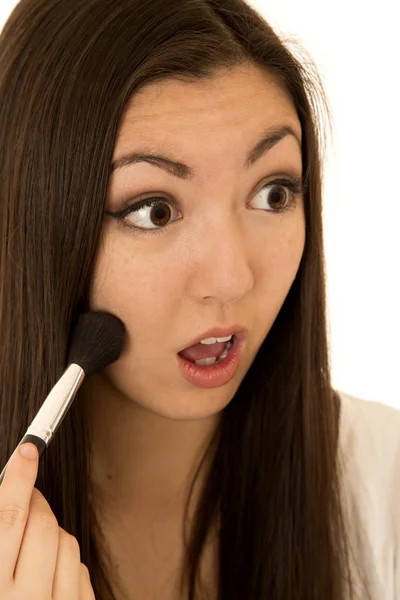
[97,341]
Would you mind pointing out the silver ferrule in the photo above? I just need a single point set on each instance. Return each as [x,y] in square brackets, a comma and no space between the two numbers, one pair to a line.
[57,403]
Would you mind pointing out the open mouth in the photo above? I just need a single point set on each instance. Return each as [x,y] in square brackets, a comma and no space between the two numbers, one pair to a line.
[213,360]
[206,355]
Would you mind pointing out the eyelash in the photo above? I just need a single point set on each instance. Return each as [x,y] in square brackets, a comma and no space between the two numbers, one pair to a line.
[295,186]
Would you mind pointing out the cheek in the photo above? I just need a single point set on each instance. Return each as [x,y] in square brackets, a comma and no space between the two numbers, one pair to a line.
[131,283]
[282,253]
[276,273]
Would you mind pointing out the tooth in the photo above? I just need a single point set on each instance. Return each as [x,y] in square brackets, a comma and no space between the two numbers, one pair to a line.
[212,340]
[208,341]
[225,339]
[206,361]
[223,355]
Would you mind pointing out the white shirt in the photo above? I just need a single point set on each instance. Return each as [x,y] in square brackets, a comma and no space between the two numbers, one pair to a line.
[369,441]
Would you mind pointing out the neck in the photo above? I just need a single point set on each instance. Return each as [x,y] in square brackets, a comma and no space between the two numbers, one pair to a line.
[143,463]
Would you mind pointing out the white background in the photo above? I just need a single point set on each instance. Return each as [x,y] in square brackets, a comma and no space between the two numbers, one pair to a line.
[357,52]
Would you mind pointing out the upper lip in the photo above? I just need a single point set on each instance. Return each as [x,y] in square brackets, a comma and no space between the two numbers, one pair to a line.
[238,330]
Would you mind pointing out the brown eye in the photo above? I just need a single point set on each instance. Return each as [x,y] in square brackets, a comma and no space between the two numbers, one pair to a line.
[150,215]
[160,214]
[281,195]
[278,197]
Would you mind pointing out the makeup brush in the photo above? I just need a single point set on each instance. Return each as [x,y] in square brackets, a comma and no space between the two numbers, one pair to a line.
[96,342]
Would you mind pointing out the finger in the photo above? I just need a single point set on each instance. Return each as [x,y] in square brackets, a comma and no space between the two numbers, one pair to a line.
[67,575]
[38,554]
[85,590]
[15,496]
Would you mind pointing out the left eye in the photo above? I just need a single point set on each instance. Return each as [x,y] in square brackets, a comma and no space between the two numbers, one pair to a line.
[287,200]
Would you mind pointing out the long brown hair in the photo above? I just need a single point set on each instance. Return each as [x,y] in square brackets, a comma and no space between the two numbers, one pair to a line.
[67,71]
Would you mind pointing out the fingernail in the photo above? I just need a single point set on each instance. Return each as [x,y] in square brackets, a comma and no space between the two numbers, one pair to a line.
[28,450]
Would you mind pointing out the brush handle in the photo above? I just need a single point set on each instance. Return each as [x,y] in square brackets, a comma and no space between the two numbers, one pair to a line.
[34,439]
[53,410]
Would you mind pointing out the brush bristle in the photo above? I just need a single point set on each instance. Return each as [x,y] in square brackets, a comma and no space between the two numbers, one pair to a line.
[97,341]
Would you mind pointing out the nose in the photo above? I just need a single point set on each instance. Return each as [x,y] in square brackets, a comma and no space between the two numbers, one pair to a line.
[220,262]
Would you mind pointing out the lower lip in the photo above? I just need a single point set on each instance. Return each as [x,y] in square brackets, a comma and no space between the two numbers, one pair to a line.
[209,376]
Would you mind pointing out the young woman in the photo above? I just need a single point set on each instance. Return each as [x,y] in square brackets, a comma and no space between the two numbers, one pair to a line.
[162,161]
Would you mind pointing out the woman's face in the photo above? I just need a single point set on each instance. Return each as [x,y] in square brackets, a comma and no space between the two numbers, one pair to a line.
[215,252]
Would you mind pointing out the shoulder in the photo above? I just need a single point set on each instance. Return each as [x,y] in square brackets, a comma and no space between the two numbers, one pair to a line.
[369,443]
[369,440]
[371,428]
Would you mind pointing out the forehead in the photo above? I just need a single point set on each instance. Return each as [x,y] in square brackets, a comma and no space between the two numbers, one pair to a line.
[237,97]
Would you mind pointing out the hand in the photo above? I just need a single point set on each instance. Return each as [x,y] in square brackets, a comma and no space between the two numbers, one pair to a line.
[38,559]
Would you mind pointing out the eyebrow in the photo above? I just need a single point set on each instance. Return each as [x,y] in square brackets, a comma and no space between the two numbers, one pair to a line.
[268,140]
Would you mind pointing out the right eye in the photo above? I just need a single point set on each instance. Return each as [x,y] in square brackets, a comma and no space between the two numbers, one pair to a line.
[157,210]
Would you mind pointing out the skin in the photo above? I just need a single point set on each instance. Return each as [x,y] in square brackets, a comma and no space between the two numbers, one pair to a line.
[228,260]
